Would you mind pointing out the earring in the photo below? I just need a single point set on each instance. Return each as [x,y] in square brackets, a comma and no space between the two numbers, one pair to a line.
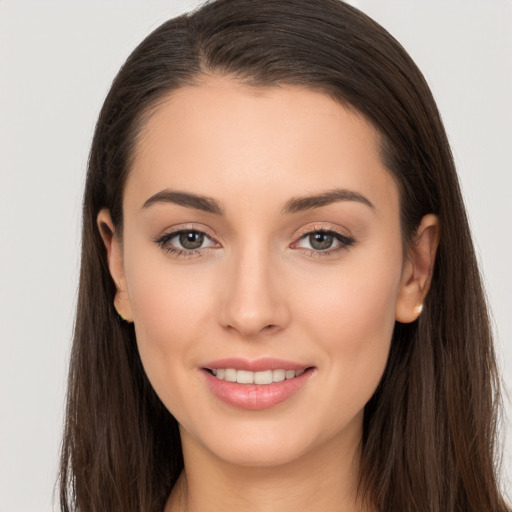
[418,309]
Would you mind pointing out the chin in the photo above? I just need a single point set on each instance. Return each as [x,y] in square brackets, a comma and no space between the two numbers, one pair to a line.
[261,453]
[262,444]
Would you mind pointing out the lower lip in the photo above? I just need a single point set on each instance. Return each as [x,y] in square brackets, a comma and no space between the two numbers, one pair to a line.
[255,396]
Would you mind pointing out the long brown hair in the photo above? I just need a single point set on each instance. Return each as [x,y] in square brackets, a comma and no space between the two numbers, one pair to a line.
[429,430]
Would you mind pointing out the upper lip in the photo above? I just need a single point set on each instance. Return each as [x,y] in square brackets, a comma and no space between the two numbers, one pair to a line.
[255,365]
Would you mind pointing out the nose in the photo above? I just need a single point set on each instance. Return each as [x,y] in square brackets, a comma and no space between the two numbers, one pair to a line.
[254,298]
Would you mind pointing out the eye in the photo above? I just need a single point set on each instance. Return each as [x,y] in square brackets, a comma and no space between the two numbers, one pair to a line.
[185,242]
[320,241]
[189,239]
[324,241]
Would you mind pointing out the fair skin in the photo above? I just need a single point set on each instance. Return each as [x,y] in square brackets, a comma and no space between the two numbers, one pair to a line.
[259,276]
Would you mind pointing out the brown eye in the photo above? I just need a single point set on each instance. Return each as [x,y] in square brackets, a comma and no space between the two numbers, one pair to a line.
[191,239]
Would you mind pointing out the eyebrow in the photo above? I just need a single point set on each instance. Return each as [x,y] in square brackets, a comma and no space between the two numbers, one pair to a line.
[298,204]
[205,204]
[293,205]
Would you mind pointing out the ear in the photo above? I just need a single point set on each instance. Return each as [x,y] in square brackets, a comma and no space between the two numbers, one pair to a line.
[417,271]
[115,264]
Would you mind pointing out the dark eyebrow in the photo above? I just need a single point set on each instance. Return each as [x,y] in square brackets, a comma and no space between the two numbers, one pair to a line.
[298,204]
[206,204]
[293,205]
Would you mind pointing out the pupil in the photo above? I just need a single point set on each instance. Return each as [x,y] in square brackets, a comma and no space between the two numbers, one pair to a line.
[191,240]
[321,241]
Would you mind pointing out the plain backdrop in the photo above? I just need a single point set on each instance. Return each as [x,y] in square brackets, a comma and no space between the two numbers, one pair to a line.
[57,60]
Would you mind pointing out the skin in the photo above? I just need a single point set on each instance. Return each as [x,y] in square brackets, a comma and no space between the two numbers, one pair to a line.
[258,288]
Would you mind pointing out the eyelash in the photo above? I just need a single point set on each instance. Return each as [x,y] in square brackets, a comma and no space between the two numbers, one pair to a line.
[163,243]
[344,241]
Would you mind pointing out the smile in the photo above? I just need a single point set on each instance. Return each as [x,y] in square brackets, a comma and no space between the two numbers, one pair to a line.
[255,385]
[261,378]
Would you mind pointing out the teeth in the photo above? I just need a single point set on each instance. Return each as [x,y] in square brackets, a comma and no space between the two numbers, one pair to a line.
[244,377]
[263,377]
[247,377]
[230,375]
[278,375]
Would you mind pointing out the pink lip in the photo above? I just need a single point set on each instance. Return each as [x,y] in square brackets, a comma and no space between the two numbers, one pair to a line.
[253,396]
[256,365]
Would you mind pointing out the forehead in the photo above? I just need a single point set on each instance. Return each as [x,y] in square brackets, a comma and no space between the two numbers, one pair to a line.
[225,139]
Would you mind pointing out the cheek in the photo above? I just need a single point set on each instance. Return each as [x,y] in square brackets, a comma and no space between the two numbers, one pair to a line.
[351,315]
[170,310]
[361,292]
[166,297]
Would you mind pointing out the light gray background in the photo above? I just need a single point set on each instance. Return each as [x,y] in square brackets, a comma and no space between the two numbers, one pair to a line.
[57,59]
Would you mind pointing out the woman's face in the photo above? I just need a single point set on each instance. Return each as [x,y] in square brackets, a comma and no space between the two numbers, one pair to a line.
[261,241]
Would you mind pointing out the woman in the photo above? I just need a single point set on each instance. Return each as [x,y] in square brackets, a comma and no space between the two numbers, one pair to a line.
[279,301]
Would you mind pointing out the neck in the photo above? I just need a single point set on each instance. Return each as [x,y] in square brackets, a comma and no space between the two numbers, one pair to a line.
[325,480]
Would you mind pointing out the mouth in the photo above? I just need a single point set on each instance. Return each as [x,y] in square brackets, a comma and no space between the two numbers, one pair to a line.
[264,377]
[256,385]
